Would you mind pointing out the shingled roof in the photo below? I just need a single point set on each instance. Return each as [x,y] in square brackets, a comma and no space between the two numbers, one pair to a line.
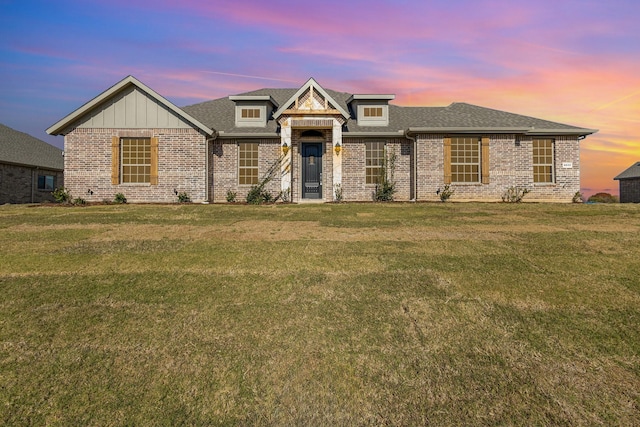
[219,114]
[632,172]
[23,149]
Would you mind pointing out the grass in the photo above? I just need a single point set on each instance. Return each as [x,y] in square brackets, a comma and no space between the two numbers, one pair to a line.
[399,314]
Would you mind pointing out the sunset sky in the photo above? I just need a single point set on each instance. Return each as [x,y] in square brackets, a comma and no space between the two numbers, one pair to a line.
[575,62]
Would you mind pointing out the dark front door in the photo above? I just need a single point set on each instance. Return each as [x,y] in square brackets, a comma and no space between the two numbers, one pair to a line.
[312,171]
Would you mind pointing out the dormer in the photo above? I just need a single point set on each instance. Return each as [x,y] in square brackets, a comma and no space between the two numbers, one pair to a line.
[370,110]
[253,110]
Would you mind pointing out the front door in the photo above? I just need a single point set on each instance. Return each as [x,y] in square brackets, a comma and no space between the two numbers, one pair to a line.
[312,171]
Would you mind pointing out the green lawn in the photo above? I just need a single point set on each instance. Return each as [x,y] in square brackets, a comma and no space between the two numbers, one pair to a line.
[382,314]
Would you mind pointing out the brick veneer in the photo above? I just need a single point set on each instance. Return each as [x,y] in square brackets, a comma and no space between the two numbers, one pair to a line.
[630,190]
[181,165]
[19,184]
[224,168]
[510,164]
[354,186]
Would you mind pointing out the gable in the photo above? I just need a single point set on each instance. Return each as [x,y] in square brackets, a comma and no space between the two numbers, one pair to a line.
[132,109]
[128,104]
[311,98]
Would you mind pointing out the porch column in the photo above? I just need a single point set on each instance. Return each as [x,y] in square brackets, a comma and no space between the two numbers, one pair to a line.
[337,156]
[285,165]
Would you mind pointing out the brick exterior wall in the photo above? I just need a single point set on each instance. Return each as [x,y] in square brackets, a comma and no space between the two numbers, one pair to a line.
[181,165]
[510,164]
[223,173]
[630,190]
[19,184]
[354,186]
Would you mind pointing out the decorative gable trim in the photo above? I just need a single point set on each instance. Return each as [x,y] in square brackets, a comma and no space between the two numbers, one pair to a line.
[311,85]
[61,127]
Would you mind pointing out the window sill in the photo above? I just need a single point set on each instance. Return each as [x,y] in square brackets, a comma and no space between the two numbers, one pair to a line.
[467,184]
[134,184]
[544,184]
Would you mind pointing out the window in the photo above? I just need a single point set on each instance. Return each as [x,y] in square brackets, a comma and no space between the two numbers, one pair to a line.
[248,163]
[543,160]
[374,161]
[373,111]
[465,159]
[136,160]
[46,182]
[250,113]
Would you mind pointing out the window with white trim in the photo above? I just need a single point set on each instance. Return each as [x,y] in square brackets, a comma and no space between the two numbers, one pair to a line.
[465,159]
[543,166]
[248,163]
[135,162]
[374,158]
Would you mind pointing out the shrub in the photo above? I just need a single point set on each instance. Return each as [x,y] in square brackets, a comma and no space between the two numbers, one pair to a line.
[257,195]
[119,198]
[603,198]
[61,195]
[577,198]
[337,191]
[514,194]
[445,193]
[286,195]
[183,197]
[79,201]
[231,196]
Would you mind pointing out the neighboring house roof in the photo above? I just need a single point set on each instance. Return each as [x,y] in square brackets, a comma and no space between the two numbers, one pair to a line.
[23,149]
[219,114]
[632,172]
[62,126]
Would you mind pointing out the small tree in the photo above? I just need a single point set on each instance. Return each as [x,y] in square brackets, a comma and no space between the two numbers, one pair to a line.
[603,198]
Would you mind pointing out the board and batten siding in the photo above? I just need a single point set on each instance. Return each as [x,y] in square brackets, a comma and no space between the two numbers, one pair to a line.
[132,109]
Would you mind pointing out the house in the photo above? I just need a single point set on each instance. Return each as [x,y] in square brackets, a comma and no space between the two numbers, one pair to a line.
[630,184]
[316,141]
[30,169]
